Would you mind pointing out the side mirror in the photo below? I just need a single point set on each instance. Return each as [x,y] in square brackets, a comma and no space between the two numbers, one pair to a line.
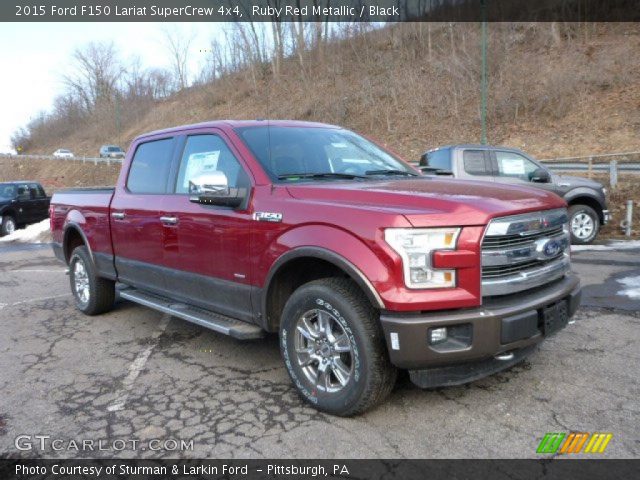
[540,175]
[435,171]
[213,189]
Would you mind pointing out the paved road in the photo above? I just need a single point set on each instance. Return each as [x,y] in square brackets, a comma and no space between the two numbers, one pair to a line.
[135,374]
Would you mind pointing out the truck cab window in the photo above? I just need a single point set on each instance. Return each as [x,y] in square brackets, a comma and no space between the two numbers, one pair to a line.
[475,162]
[209,153]
[150,166]
[513,165]
[23,192]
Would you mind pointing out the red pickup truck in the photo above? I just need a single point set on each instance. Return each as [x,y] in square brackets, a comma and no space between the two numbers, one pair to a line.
[361,264]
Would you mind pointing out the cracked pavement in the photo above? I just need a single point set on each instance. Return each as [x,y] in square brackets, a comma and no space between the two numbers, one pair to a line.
[138,374]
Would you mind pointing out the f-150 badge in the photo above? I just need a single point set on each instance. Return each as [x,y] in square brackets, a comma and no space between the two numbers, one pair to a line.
[267,217]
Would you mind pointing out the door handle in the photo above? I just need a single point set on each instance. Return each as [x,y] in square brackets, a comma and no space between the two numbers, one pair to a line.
[169,220]
[118,215]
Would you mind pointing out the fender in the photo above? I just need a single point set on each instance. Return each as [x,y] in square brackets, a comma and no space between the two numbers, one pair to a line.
[330,244]
[583,192]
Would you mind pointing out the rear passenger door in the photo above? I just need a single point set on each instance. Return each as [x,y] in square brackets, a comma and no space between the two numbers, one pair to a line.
[475,165]
[40,204]
[25,206]
[136,212]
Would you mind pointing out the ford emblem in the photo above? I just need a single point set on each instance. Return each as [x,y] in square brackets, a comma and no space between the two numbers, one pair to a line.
[551,248]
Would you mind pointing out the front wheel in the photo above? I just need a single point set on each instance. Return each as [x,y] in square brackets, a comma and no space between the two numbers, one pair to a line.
[584,224]
[334,348]
[93,294]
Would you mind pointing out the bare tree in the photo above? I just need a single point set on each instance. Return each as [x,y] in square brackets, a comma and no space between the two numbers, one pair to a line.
[178,44]
[95,74]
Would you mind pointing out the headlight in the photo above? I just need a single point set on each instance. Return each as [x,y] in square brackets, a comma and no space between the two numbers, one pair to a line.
[604,190]
[415,246]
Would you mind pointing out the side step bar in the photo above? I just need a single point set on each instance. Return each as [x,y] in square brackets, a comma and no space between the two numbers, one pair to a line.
[205,318]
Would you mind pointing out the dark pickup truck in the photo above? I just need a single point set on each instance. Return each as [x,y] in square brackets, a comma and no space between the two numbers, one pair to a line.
[361,264]
[21,203]
[586,198]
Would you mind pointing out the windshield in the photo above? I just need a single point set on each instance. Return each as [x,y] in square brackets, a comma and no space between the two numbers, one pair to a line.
[311,153]
[114,149]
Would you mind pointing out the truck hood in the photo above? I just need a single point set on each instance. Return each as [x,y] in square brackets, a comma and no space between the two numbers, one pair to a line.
[575,182]
[426,201]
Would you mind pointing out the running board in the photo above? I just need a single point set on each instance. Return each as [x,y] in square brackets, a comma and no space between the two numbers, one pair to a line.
[205,318]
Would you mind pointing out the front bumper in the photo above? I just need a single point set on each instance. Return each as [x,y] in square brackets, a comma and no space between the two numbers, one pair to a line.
[502,324]
[606,217]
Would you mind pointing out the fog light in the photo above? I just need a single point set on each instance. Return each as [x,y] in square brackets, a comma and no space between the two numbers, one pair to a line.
[437,335]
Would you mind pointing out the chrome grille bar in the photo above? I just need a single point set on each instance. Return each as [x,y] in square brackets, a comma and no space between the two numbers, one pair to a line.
[521,252]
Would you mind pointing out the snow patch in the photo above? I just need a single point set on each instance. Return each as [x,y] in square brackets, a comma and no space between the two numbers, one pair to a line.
[615,245]
[632,285]
[36,233]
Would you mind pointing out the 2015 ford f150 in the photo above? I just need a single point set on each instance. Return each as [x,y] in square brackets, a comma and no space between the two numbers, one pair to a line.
[362,265]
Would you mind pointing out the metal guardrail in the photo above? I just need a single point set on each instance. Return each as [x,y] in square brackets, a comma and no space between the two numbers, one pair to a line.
[584,166]
[94,160]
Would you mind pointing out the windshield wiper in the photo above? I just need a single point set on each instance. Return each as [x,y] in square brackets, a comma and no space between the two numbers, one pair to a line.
[391,172]
[319,175]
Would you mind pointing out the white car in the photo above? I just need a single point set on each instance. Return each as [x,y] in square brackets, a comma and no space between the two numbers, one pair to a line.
[63,153]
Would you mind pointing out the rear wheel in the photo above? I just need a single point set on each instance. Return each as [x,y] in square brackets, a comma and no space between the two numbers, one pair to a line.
[334,348]
[93,294]
[8,225]
[584,224]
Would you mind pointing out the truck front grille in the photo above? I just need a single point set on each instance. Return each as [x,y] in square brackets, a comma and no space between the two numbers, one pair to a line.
[521,252]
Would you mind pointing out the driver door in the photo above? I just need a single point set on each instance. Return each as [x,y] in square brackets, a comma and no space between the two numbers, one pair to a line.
[516,169]
[211,251]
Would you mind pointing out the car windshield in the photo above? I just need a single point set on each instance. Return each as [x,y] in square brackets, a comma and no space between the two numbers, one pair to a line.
[291,154]
[7,191]
[114,149]
[63,151]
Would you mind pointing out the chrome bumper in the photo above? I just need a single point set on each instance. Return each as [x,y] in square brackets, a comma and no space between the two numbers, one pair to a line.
[606,217]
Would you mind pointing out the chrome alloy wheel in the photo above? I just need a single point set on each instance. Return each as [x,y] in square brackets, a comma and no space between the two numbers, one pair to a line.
[81,281]
[323,350]
[582,225]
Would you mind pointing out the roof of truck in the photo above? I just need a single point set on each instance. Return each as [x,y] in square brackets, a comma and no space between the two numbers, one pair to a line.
[240,124]
[474,145]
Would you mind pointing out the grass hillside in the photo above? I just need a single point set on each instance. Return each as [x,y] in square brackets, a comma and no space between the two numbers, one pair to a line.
[416,86]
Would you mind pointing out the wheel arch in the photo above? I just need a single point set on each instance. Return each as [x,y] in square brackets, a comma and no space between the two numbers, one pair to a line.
[590,201]
[302,265]
[73,238]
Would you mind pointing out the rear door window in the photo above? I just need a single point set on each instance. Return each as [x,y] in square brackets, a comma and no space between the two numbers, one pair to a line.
[476,162]
[150,167]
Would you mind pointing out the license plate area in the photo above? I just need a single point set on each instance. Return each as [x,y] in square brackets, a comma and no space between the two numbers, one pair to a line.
[555,317]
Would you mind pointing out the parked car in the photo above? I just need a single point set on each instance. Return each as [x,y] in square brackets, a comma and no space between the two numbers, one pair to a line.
[111,151]
[21,203]
[363,265]
[63,153]
[586,198]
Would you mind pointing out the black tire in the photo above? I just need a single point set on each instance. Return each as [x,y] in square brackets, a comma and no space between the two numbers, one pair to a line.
[579,234]
[101,291]
[371,378]
[8,225]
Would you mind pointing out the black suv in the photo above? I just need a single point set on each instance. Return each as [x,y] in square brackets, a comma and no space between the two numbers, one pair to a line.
[21,203]
[586,198]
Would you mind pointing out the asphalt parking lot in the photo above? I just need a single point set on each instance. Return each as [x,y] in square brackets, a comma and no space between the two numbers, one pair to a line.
[135,374]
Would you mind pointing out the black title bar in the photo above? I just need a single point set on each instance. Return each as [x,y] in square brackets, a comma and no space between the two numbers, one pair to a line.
[311,469]
[319,10]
